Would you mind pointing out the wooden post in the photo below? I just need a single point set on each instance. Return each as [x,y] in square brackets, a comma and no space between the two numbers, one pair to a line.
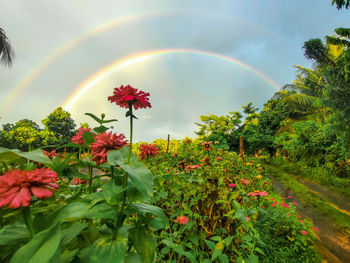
[167,147]
[241,148]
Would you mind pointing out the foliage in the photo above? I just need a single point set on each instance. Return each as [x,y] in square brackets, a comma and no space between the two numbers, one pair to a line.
[61,124]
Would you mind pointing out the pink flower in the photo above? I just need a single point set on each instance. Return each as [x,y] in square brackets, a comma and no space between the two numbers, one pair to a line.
[51,154]
[248,219]
[17,186]
[105,142]
[302,221]
[303,232]
[288,215]
[245,181]
[263,207]
[315,228]
[298,216]
[295,203]
[181,220]
[272,199]
[289,196]
[273,205]
[78,137]
[148,150]
[125,95]
[232,185]
[284,205]
[219,158]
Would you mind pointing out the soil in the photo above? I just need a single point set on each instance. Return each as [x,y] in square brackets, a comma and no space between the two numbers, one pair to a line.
[333,243]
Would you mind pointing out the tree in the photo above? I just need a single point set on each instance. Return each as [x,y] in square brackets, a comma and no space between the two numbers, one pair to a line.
[341,3]
[61,124]
[6,51]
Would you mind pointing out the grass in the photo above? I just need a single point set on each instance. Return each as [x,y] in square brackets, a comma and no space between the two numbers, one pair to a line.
[310,198]
[316,174]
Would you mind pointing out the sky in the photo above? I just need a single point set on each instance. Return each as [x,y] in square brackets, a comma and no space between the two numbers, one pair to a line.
[193,57]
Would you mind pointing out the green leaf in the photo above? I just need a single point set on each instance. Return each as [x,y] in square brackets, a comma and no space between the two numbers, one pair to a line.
[154,210]
[36,156]
[210,244]
[140,176]
[253,258]
[72,231]
[13,154]
[8,154]
[67,256]
[223,258]
[94,117]
[12,233]
[107,250]
[180,250]
[108,121]
[112,193]
[216,253]
[216,238]
[228,240]
[260,251]
[88,138]
[101,210]
[144,243]
[100,129]
[127,114]
[41,248]
[133,258]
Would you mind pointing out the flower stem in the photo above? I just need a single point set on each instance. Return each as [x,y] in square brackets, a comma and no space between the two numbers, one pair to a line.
[90,179]
[131,126]
[27,216]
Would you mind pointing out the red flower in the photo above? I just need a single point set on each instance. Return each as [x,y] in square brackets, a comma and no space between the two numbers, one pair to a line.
[51,154]
[181,220]
[78,137]
[207,146]
[303,232]
[125,95]
[148,150]
[17,187]
[105,142]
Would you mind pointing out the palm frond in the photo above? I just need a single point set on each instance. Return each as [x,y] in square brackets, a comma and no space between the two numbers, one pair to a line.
[6,51]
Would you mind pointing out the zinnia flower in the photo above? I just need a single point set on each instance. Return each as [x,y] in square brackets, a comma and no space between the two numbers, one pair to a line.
[207,146]
[105,142]
[78,137]
[232,185]
[247,218]
[245,181]
[148,150]
[51,154]
[303,232]
[315,228]
[125,95]
[181,220]
[17,186]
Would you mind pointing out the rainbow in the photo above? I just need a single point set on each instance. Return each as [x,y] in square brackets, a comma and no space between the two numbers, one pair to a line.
[9,100]
[140,57]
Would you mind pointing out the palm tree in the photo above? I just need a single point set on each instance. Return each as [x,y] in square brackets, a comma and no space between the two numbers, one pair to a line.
[6,51]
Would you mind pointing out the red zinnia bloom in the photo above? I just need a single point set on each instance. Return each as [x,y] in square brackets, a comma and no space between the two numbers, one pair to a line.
[17,187]
[181,220]
[78,137]
[232,185]
[123,95]
[315,228]
[303,232]
[105,142]
[51,154]
[207,146]
[148,150]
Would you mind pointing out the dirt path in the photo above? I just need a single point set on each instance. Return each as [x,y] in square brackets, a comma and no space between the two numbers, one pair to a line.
[333,244]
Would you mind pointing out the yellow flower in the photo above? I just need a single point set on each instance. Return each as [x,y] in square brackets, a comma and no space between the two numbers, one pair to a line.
[259,176]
